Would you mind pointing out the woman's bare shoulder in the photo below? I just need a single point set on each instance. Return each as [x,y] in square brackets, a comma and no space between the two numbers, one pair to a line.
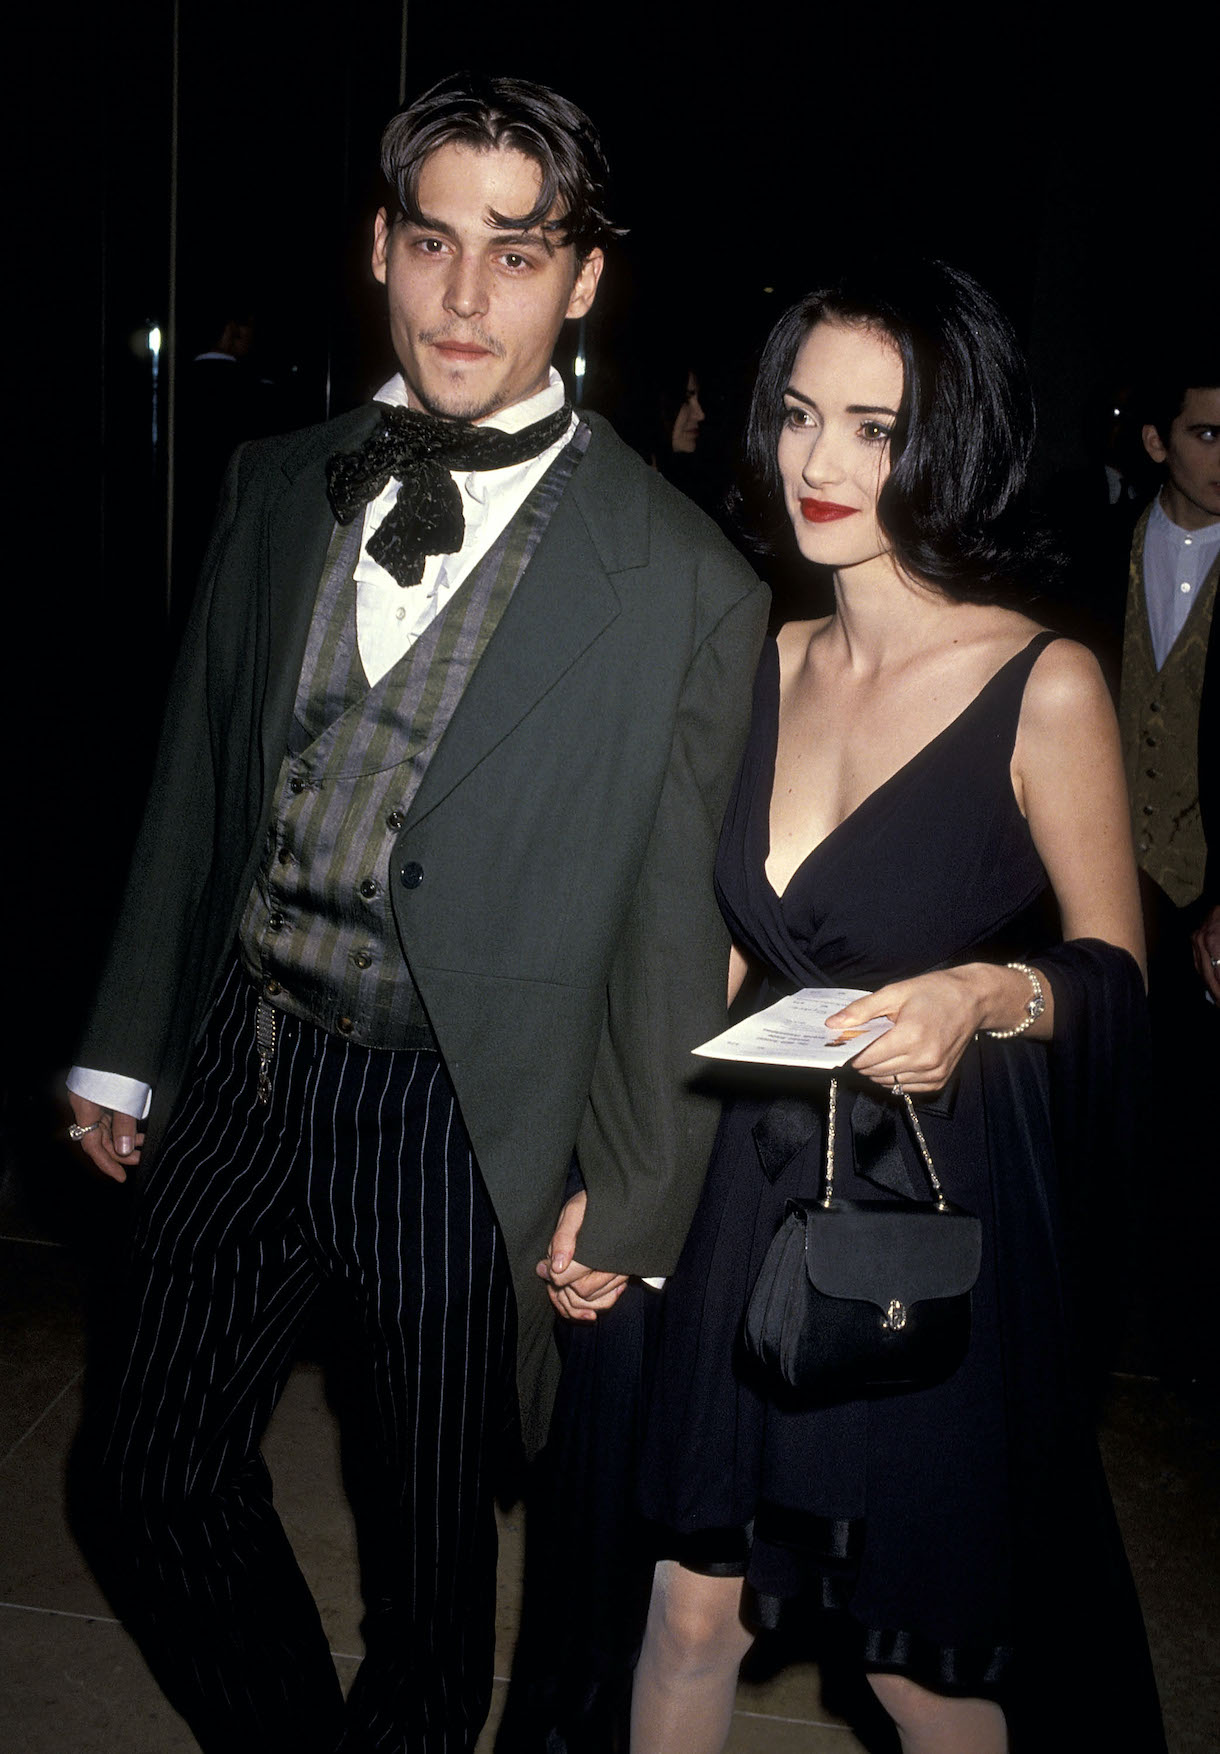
[794,639]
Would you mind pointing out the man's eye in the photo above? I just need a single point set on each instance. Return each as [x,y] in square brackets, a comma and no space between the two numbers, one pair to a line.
[513,260]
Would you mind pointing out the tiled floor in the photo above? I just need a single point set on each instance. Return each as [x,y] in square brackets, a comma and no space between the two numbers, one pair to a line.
[74,1683]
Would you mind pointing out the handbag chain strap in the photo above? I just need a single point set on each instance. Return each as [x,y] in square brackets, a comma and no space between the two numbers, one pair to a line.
[942,1205]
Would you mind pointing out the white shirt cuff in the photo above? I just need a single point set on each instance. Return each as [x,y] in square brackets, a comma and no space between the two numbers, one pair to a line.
[126,1096]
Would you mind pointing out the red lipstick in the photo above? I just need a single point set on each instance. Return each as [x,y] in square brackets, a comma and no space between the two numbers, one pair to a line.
[825,511]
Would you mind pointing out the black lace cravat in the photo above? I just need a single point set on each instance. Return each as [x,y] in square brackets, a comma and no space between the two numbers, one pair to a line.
[421,450]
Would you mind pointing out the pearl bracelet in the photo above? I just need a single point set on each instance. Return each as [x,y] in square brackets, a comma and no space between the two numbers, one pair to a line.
[1035,1005]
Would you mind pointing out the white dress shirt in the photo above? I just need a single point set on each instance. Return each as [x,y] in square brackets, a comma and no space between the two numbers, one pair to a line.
[1176,562]
[390,617]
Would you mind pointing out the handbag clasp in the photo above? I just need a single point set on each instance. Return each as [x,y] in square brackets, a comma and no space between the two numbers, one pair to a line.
[895,1318]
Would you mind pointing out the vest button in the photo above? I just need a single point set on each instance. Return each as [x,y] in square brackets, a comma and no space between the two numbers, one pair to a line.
[1149,809]
[412,875]
[275,923]
[1152,773]
[395,820]
[345,1025]
[362,959]
[1150,742]
[284,857]
[1154,706]
[368,888]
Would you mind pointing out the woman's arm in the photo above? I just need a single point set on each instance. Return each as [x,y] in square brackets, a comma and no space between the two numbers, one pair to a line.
[1068,779]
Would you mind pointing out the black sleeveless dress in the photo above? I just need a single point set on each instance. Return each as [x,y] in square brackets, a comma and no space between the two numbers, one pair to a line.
[927,1516]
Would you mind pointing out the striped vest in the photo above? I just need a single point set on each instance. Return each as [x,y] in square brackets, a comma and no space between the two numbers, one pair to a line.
[1158,715]
[318,934]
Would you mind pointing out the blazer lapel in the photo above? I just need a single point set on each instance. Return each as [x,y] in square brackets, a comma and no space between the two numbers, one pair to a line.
[565,599]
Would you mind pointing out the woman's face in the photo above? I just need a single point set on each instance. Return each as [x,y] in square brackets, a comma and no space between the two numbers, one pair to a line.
[690,418]
[834,447]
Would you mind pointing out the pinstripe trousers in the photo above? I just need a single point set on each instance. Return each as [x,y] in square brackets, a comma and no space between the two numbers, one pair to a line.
[359,1171]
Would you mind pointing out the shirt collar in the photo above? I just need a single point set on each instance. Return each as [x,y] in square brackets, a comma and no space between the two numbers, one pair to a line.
[548,400]
[1162,525]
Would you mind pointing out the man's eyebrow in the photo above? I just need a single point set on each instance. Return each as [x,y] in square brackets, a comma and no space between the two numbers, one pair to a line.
[507,231]
[536,238]
[425,222]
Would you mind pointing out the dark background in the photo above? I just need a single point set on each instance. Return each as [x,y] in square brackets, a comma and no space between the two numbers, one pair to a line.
[185,156]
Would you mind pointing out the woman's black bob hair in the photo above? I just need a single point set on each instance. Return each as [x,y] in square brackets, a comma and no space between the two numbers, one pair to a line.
[961,444]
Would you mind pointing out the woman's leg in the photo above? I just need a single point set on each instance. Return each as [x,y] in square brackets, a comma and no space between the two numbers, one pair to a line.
[933,1723]
[686,1678]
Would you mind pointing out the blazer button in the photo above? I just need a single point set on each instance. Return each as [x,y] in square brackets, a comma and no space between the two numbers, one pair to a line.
[345,1025]
[362,959]
[368,888]
[296,786]
[412,875]
[395,820]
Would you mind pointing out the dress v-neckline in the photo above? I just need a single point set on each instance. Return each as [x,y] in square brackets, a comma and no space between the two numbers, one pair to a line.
[925,749]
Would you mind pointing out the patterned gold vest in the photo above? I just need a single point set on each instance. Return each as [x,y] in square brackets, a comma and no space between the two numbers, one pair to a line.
[1158,715]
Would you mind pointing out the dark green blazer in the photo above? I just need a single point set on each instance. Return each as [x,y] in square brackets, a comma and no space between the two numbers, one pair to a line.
[563,934]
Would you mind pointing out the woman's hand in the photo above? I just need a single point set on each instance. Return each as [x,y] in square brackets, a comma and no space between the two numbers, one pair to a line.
[936,1017]
[578,1293]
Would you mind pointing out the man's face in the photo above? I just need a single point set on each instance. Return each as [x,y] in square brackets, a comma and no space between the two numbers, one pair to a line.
[1191,494]
[475,309]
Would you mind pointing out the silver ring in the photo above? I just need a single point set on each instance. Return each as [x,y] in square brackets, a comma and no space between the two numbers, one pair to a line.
[897,1086]
[76,1132]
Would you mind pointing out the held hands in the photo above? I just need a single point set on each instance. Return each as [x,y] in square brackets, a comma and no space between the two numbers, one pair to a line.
[109,1140]
[577,1292]
[936,1017]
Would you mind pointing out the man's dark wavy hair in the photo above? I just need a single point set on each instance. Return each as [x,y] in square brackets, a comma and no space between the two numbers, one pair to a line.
[486,112]
[961,444]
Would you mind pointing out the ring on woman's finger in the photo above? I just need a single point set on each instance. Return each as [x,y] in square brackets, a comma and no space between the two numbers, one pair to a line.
[897,1086]
[76,1132]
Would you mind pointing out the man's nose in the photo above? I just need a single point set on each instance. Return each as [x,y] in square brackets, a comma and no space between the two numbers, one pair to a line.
[466,291]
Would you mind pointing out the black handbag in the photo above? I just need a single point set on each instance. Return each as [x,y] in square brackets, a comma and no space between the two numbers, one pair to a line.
[859,1297]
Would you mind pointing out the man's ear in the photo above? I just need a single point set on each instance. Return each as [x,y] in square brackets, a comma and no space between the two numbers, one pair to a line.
[1154,445]
[381,244]
[585,289]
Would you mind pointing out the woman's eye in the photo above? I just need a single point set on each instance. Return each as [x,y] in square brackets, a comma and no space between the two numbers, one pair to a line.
[873,433]
[796,417]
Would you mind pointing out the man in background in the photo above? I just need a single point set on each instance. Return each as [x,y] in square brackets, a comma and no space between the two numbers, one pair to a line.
[1168,712]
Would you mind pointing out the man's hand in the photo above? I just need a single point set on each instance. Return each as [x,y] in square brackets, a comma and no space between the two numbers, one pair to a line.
[1206,941]
[577,1292]
[112,1143]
